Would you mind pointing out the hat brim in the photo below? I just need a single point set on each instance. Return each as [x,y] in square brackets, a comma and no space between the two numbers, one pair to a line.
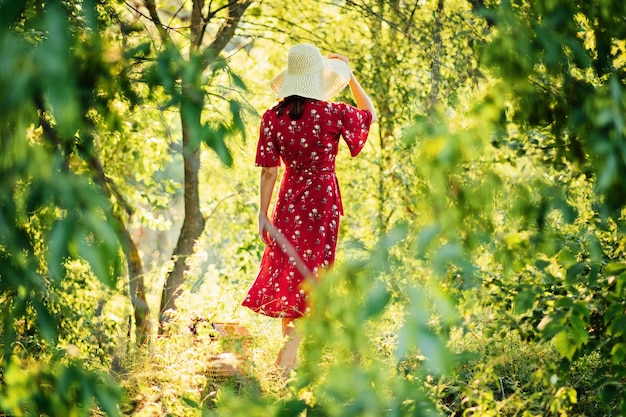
[334,77]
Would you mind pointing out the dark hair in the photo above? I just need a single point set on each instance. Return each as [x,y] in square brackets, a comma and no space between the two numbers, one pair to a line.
[294,105]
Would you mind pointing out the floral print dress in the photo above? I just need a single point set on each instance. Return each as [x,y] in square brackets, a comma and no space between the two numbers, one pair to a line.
[308,205]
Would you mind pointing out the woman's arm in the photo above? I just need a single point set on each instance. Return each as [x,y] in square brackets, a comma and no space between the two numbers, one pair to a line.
[266,188]
[363,101]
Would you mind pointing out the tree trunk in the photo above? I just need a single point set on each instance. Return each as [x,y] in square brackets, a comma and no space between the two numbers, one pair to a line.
[137,290]
[136,286]
[385,123]
[135,267]
[433,99]
[133,260]
[193,225]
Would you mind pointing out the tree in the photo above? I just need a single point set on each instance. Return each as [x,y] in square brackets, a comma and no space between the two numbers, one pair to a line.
[183,81]
[419,61]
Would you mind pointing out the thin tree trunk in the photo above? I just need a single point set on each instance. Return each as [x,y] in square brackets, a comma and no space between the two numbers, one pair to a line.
[193,225]
[135,267]
[383,110]
[143,326]
[385,123]
[436,65]
[133,260]
[136,285]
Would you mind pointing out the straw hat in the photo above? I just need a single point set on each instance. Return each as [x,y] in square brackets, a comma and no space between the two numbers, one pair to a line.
[310,75]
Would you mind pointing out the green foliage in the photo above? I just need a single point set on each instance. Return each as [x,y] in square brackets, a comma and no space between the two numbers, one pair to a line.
[185,86]
[56,388]
[567,84]
[496,173]
[52,80]
[562,63]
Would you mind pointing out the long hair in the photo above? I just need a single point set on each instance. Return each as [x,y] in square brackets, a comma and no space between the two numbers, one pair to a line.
[293,104]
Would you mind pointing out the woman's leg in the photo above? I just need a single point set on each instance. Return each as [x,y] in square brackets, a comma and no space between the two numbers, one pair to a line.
[288,355]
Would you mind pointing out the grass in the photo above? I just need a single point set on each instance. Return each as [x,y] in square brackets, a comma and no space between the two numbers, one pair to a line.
[176,374]
[187,369]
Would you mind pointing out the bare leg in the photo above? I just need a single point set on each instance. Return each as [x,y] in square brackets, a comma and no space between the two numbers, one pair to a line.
[288,355]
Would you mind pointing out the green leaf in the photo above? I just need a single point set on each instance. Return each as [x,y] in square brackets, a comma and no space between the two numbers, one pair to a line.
[47,325]
[292,407]
[564,344]
[191,111]
[434,349]
[449,254]
[619,287]
[214,139]
[57,250]
[615,268]
[140,51]
[107,399]
[541,264]
[524,300]
[567,258]
[608,393]
[98,259]
[573,272]
[167,70]
[426,236]
[238,123]
[377,300]
[582,310]
[10,12]
[618,353]
[579,333]
[406,340]
[102,231]
[617,325]
[191,403]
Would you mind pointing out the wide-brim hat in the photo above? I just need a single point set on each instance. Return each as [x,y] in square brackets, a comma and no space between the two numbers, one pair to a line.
[310,75]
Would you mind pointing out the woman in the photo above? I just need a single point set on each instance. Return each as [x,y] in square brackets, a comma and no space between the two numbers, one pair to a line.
[303,131]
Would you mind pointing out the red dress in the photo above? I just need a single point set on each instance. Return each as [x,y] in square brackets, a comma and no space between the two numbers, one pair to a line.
[308,205]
